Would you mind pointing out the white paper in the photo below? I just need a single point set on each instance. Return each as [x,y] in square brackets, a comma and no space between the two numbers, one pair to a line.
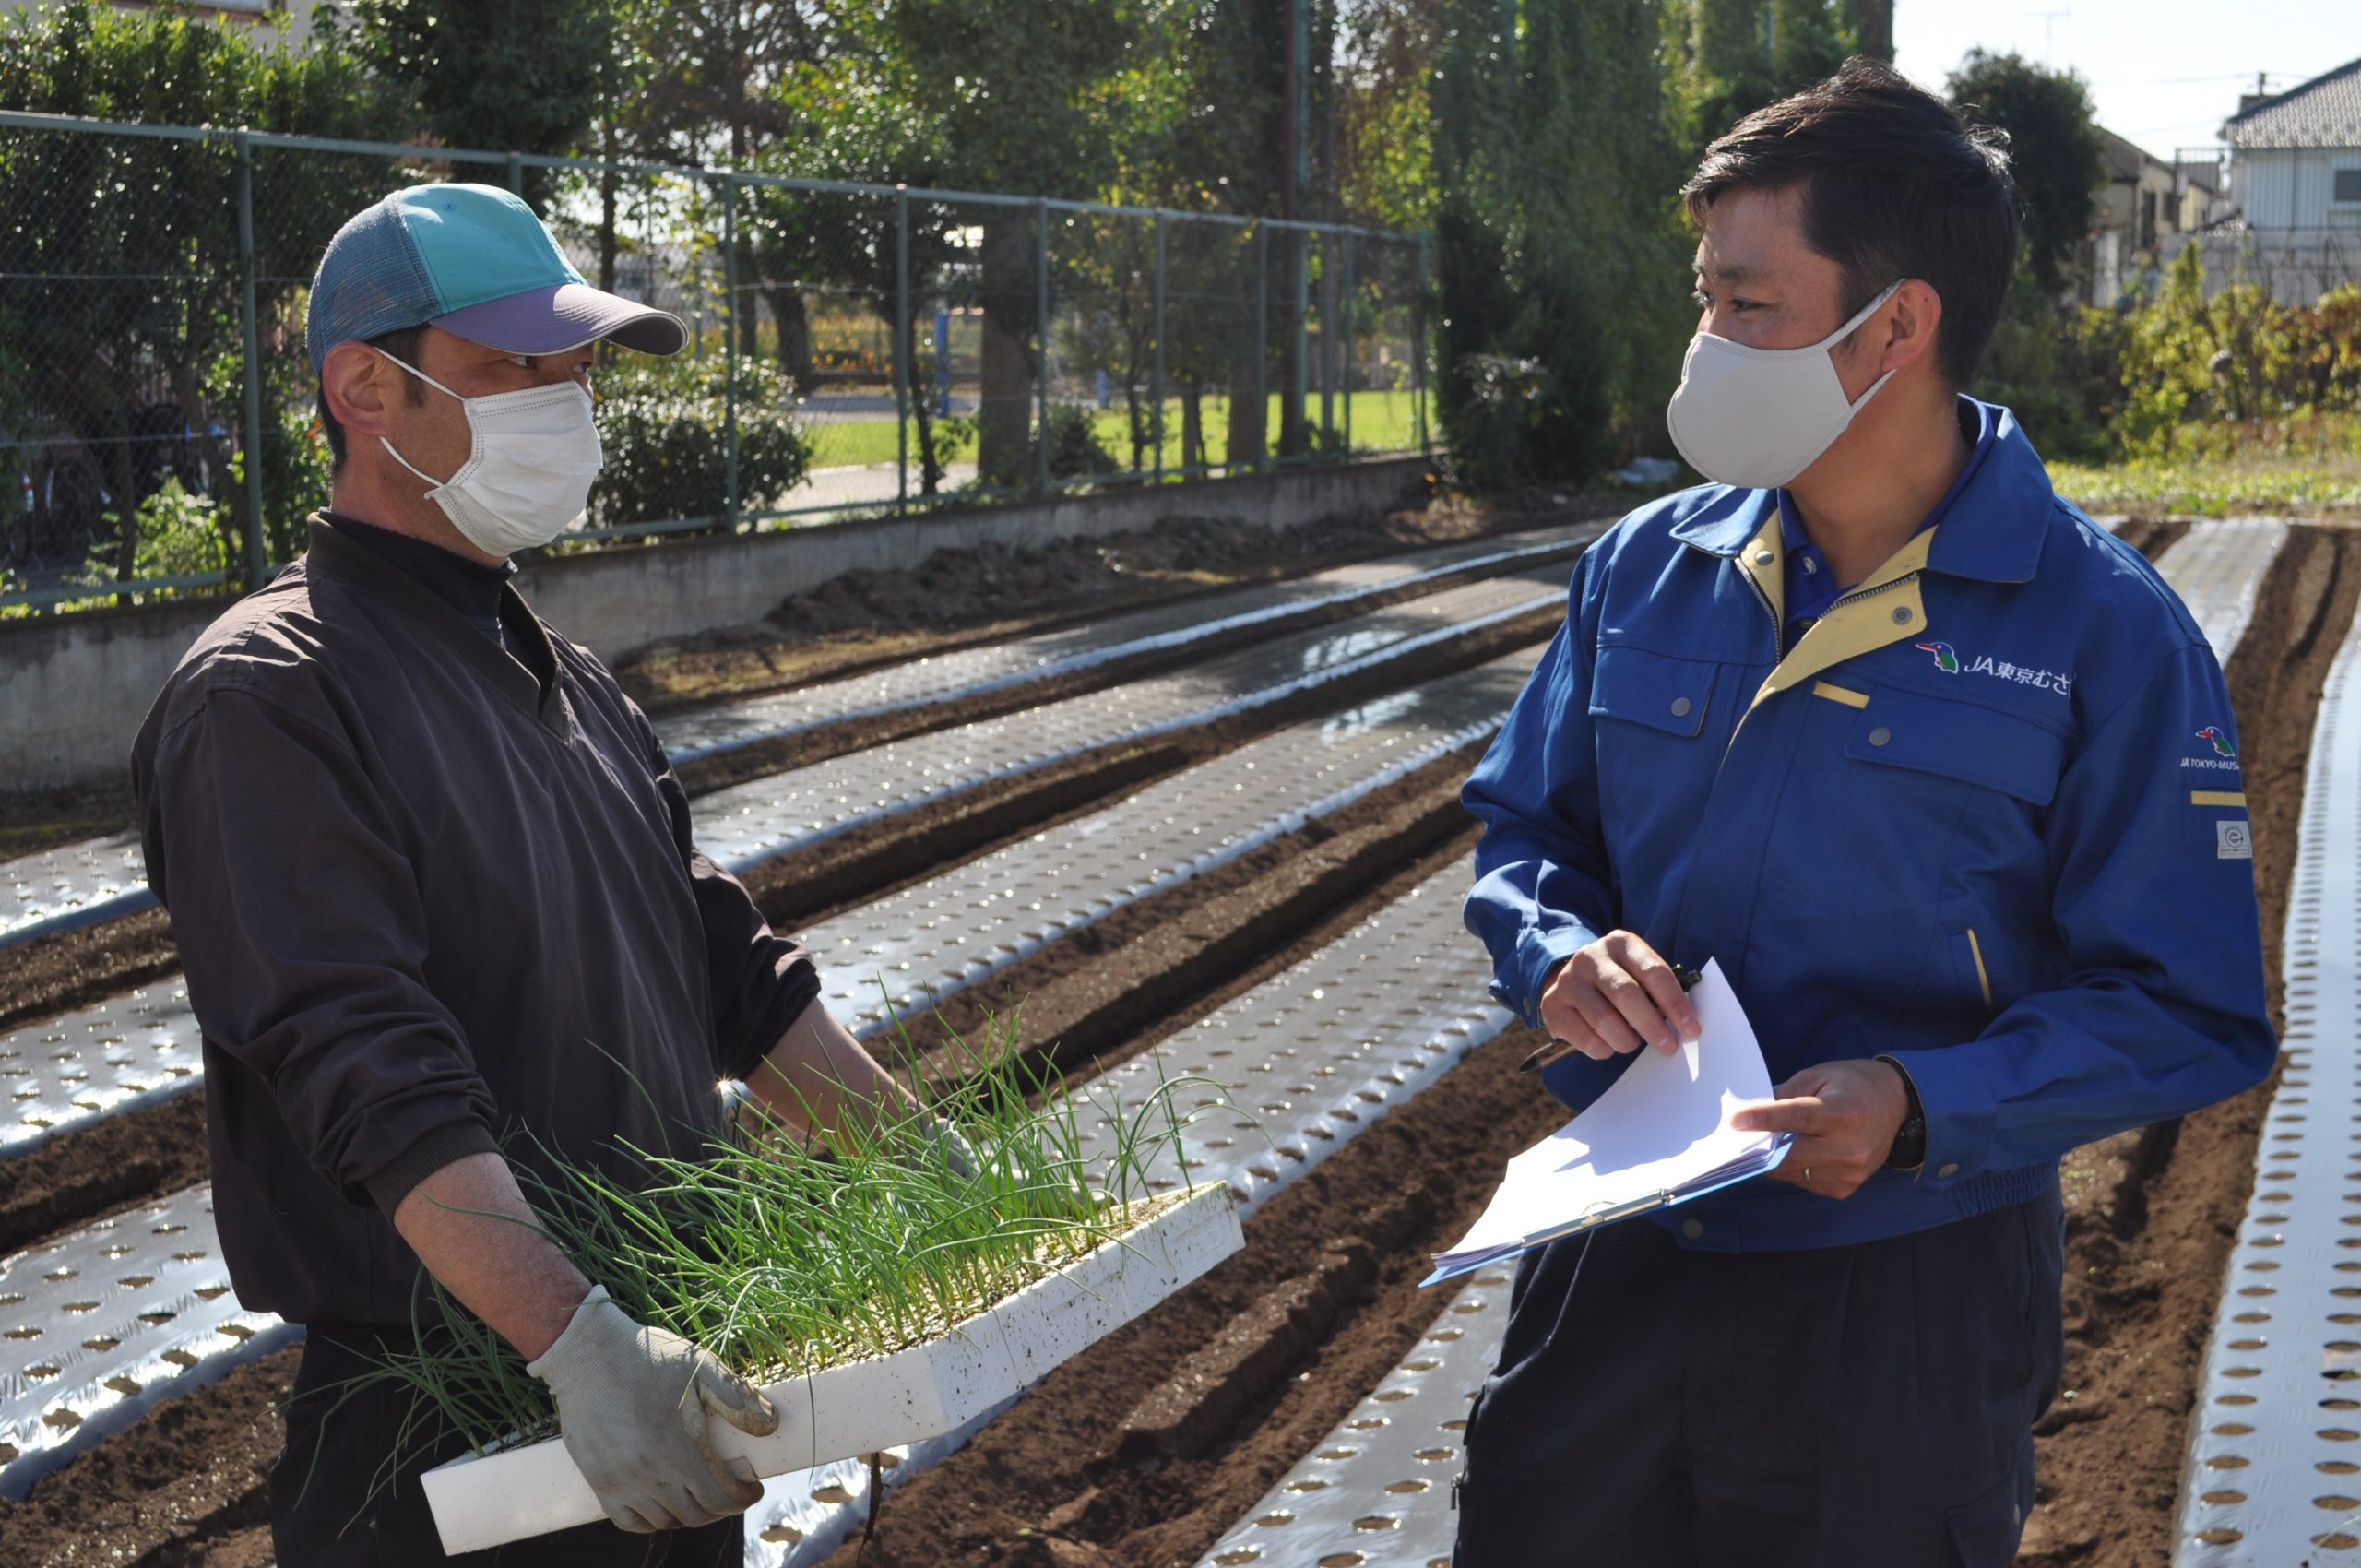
[1661,1131]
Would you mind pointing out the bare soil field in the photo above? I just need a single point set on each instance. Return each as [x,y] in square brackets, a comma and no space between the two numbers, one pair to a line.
[1145,1449]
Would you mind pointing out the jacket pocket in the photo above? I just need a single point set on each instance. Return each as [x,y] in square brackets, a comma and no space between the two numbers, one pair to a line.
[1964,741]
[1654,689]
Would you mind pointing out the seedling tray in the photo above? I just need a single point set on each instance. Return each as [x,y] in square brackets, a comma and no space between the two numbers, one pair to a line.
[488,1499]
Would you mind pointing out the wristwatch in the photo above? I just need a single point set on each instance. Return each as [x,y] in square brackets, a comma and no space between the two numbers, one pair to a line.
[1909,1151]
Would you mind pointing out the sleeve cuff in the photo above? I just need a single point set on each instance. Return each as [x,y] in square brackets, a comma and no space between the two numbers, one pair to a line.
[428,1153]
[1959,1112]
[797,987]
[1539,952]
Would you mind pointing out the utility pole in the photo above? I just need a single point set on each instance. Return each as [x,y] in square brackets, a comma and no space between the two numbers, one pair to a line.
[2048,29]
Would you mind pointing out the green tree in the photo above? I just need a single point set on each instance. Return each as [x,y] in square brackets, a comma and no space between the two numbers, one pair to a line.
[1727,58]
[1387,173]
[1558,259]
[506,75]
[1213,137]
[1025,96]
[2054,151]
[119,315]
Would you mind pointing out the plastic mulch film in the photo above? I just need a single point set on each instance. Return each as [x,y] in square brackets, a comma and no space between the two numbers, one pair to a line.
[1377,1490]
[913,947]
[102,1324]
[747,824]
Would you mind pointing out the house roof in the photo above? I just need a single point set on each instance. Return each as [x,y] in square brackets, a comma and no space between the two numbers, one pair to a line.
[2125,160]
[2205,174]
[2324,112]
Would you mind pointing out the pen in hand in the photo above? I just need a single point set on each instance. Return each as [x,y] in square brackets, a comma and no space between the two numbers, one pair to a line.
[1556,1050]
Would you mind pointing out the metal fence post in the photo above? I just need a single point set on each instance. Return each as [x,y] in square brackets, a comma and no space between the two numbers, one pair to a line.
[1041,339]
[730,344]
[1263,346]
[250,327]
[1300,305]
[902,347]
[1327,336]
[1345,340]
[1159,351]
[1418,348]
[262,426]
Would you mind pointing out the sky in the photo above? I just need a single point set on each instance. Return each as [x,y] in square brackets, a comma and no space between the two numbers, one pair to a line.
[2165,74]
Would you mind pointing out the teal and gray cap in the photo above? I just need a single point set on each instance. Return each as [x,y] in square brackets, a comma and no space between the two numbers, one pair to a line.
[474,261]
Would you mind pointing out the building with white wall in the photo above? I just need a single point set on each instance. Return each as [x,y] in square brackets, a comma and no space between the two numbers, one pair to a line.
[289,20]
[2296,185]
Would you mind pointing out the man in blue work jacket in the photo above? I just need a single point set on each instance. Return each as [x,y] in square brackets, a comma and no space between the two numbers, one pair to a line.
[1946,778]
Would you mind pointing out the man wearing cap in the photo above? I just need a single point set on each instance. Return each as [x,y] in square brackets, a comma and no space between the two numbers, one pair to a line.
[432,881]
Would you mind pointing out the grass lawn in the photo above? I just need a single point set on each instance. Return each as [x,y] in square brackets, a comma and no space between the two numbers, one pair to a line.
[1381,422]
[2213,487]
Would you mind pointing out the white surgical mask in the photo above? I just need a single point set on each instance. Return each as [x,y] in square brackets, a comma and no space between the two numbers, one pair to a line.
[1756,418]
[528,476]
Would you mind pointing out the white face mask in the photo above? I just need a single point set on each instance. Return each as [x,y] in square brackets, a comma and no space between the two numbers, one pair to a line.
[1756,418]
[527,478]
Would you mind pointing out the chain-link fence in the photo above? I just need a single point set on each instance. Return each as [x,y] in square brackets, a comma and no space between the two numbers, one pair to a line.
[2293,266]
[854,350]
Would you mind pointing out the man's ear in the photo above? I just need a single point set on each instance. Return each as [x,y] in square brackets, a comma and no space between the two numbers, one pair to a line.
[1912,326]
[361,385]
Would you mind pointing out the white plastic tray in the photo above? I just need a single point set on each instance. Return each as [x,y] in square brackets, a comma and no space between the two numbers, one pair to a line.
[927,1390]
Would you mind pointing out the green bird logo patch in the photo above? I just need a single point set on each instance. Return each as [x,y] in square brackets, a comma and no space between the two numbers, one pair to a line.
[1945,660]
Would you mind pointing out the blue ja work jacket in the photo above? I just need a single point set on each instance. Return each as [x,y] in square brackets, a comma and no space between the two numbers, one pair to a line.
[1985,817]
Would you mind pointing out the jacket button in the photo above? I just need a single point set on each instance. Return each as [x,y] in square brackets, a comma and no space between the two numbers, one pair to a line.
[1880,736]
[1692,1229]
[1763,558]
[1948,1170]
[1902,615]
[1680,707]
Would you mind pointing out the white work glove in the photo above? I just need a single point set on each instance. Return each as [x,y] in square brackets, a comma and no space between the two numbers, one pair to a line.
[952,1145]
[631,1404]
[1001,1177]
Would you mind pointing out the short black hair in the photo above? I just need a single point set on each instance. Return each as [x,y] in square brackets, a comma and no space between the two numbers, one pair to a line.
[1895,183]
[402,343]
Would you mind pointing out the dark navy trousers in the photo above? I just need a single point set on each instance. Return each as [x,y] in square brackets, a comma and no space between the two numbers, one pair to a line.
[1860,1407]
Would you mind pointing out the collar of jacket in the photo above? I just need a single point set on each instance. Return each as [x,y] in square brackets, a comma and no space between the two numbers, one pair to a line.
[334,555]
[1993,533]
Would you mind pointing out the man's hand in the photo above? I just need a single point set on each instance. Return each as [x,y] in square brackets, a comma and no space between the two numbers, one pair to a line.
[631,1404]
[1614,996]
[1843,1114]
